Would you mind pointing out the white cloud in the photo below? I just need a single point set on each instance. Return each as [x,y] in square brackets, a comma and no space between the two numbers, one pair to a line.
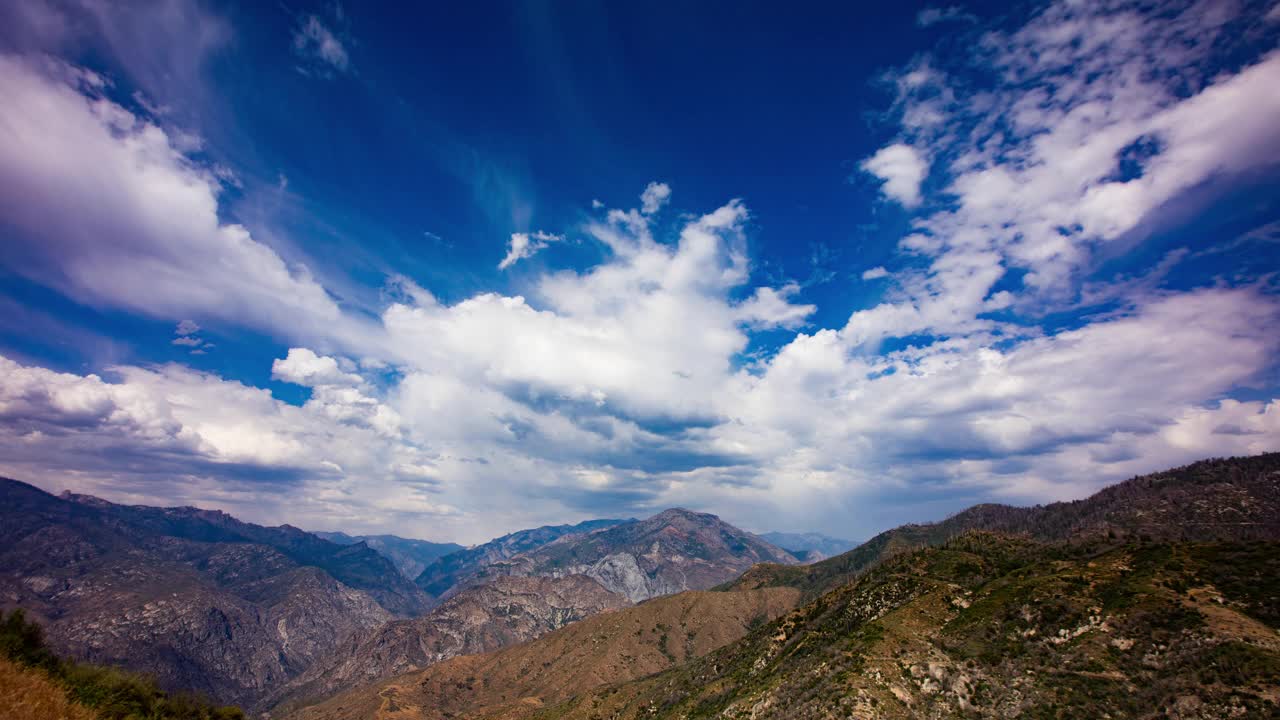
[641,382]
[314,40]
[769,308]
[655,195]
[186,327]
[934,15]
[303,367]
[523,245]
[902,168]
[101,197]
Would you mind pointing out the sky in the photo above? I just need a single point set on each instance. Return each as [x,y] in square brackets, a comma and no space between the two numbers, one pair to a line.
[458,269]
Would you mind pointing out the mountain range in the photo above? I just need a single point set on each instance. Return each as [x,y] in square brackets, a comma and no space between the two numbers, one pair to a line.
[409,556]
[265,616]
[673,551]
[1158,592]
[809,547]
[456,569]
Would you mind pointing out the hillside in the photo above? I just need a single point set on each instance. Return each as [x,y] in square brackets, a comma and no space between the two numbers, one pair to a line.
[357,566]
[673,551]
[1231,499]
[989,626]
[479,619]
[194,598]
[409,556]
[35,684]
[451,572]
[610,647]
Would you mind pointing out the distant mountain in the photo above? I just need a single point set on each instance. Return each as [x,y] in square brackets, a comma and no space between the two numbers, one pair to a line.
[479,619]
[409,556]
[196,598]
[809,547]
[448,573]
[358,566]
[607,648]
[673,551]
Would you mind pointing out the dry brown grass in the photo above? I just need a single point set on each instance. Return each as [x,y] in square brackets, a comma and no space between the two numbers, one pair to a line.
[30,695]
[607,648]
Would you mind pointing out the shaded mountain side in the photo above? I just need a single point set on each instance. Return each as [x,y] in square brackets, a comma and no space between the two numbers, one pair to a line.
[479,619]
[988,626]
[450,572]
[231,619]
[357,566]
[673,551]
[809,547]
[608,648]
[1224,499]
[409,556]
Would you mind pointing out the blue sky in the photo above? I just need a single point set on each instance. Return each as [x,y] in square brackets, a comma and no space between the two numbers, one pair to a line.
[453,272]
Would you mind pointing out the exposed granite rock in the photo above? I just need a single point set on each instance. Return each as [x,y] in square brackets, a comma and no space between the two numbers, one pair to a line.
[452,572]
[673,551]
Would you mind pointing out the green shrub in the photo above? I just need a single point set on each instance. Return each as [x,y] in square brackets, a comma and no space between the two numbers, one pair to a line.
[112,693]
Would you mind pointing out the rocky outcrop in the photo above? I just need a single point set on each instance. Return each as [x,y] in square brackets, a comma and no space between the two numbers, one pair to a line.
[673,551]
[479,619]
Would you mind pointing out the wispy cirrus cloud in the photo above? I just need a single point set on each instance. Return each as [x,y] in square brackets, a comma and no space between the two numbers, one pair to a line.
[524,245]
[320,48]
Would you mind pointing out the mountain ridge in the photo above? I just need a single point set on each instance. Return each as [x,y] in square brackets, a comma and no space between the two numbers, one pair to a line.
[672,551]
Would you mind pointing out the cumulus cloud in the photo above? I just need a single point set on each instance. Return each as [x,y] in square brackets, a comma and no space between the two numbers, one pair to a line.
[230,444]
[655,195]
[902,168]
[303,367]
[314,41]
[523,245]
[646,380]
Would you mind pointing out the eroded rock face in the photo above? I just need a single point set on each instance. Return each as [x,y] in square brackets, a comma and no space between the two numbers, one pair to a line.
[454,571]
[482,618]
[181,594]
[673,551]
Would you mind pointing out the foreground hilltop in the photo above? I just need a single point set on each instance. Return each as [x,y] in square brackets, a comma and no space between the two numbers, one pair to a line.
[1226,499]
[1160,592]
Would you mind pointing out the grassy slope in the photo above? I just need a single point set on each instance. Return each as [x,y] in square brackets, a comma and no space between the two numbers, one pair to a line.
[609,647]
[989,626]
[28,694]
